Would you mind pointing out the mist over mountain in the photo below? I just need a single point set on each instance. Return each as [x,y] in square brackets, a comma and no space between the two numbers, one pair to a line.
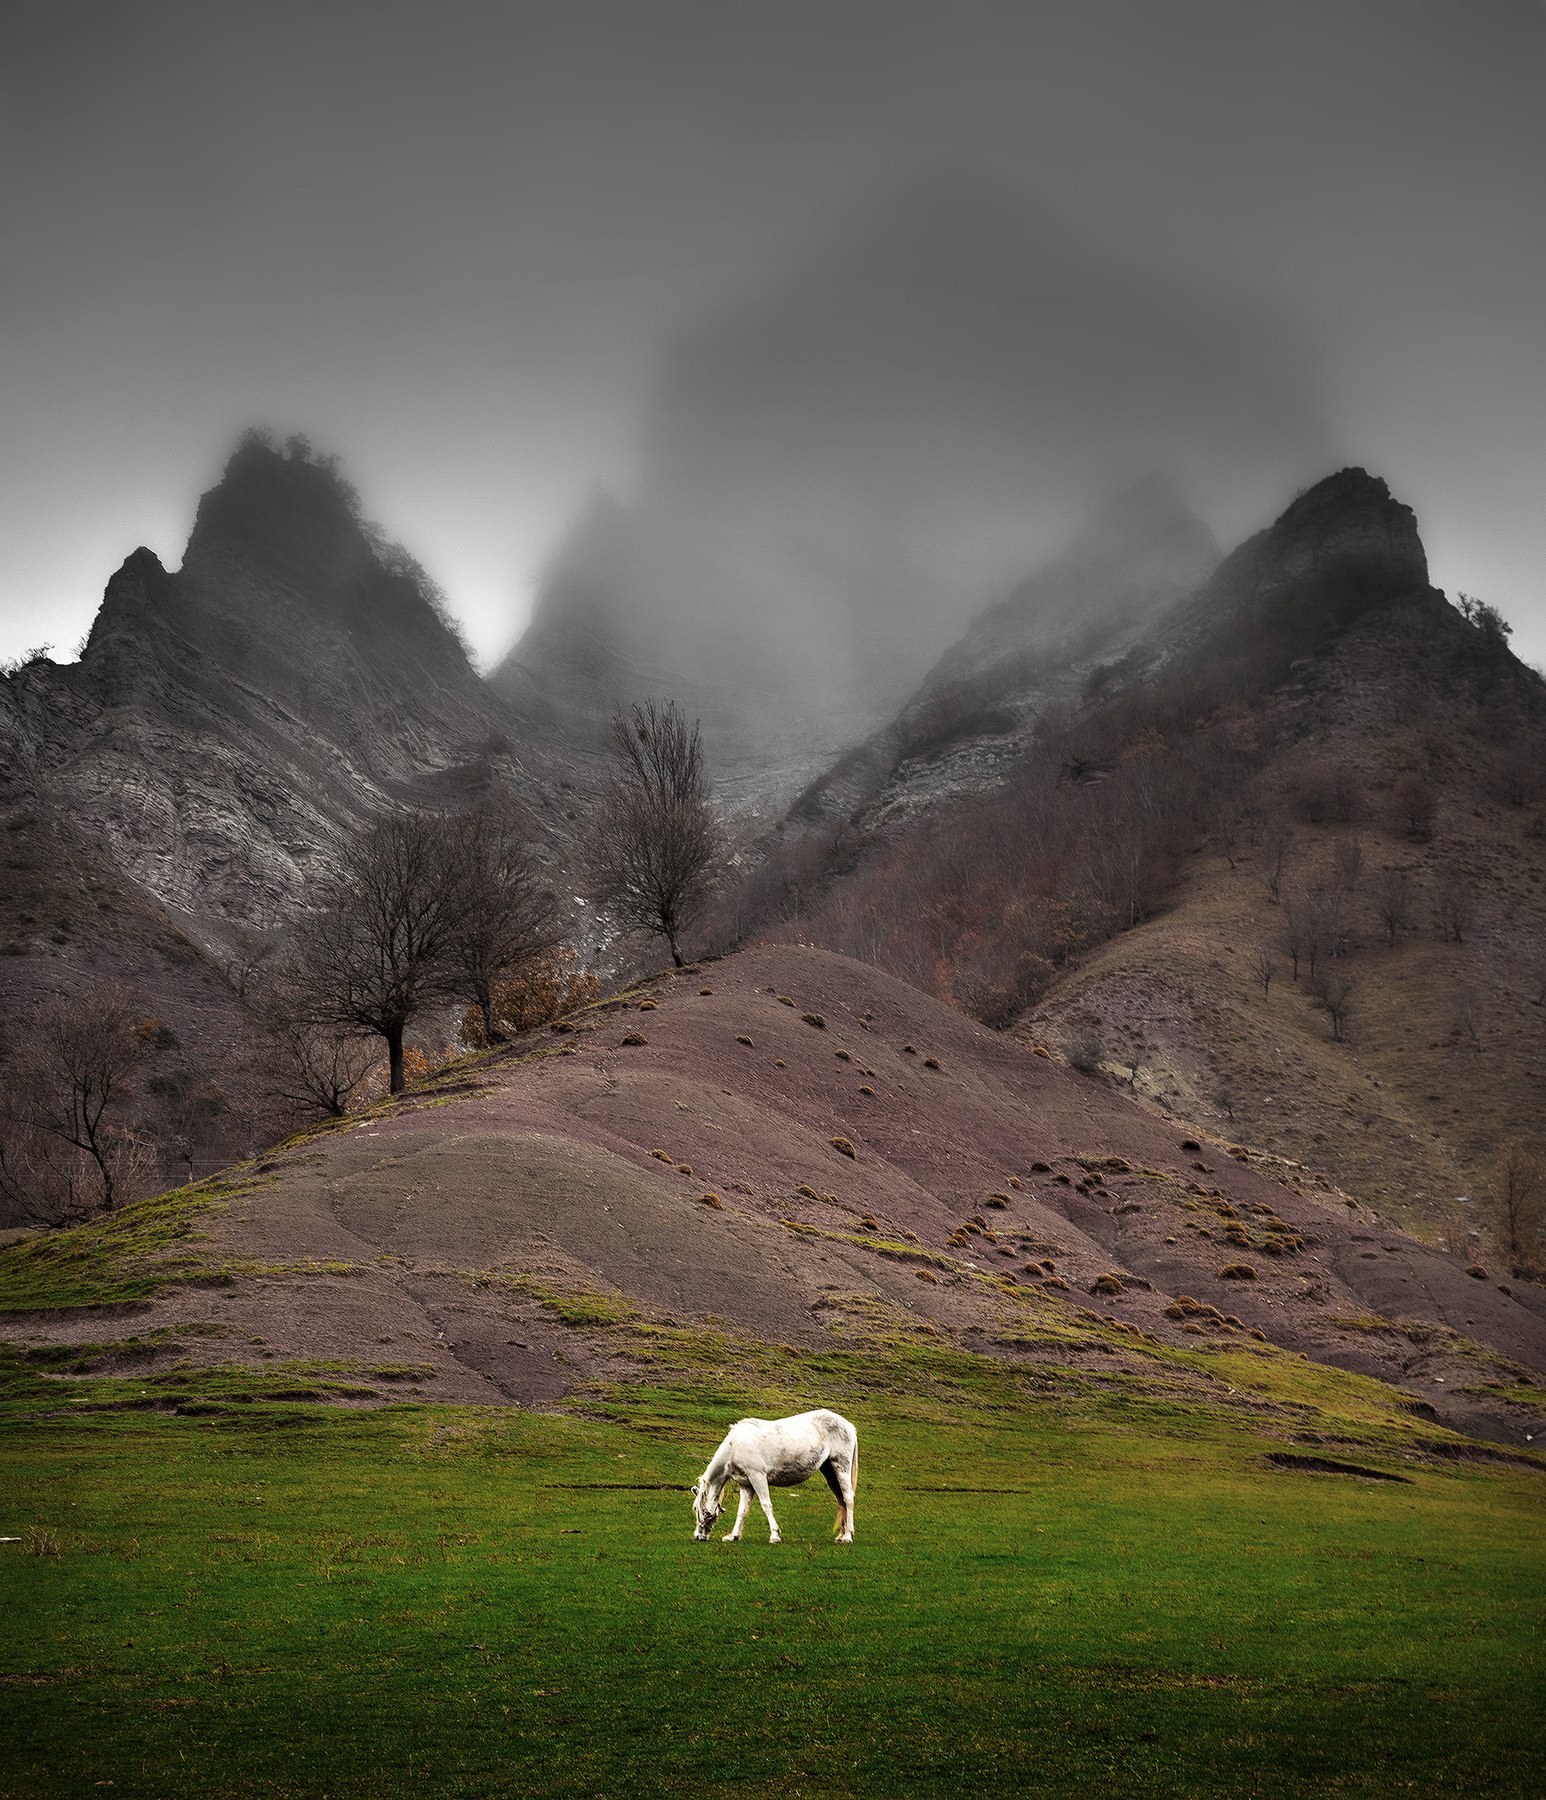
[840,472]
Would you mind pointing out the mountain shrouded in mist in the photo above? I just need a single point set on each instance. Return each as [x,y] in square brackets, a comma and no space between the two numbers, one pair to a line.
[840,473]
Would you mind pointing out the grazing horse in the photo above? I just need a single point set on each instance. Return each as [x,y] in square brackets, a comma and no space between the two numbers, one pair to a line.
[762,1453]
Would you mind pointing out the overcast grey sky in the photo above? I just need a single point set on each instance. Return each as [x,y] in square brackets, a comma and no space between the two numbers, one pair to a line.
[452,241]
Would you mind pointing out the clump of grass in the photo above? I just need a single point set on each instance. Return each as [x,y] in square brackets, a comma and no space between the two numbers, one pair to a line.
[1056,1281]
[1041,1168]
[931,1062]
[1237,1272]
[909,1049]
[997,1200]
[1107,1284]
[784,1000]
[1190,1144]
[843,1055]
[925,1275]
[1476,1272]
[684,1168]
[712,1199]
[703,993]
[745,1040]
[869,1092]
[663,1156]
[843,1147]
[869,1222]
[809,1192]
[633,1038]
[1015,1182]
[779,1063]
[647,1006]
[815,1019]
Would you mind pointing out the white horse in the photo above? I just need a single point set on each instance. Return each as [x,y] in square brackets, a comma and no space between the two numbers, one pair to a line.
[762,1453]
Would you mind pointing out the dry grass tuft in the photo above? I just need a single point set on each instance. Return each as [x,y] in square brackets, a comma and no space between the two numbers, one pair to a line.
[745,1040]
[843,1055]
[815,1019]
[1106,1284]
[925,1275]
[784,1000]
[869,1091]
[647,1006]
[998,1200]
[779,1063]
[703,992]
[1476,1272]
[663,1156]
[842,1146]
[1041,1168]
[712,1199]
[909,1049]
[1237,1272]
[684,1168]
[634,1037]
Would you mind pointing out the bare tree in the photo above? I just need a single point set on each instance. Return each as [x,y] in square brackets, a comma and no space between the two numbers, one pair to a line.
[1347,861]
[1455,899]
[1264,966]
[509,915]
[1465,1012]
[1294,934]
[1416,804]
[379,949]
[73,1085]
[1275,848]
[1332,992]
[1393,900]
[1521,1186]
[655,839]
[310,1068]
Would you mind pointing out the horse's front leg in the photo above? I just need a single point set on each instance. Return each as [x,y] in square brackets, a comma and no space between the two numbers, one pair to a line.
[760,1483]
[743,1507]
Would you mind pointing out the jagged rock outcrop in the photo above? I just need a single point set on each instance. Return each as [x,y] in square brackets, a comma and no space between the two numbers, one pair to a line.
[1341,548]
[225,721]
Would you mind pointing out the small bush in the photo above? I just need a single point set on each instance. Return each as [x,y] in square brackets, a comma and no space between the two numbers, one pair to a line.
[1193,1326]
[1106,1284]
[997,1200]
[842,1146]
[712,1200]
[1056,1281]
[1237,1272]
[815,1019]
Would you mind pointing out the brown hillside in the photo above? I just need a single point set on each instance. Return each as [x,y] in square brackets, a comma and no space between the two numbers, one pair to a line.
[872,1153]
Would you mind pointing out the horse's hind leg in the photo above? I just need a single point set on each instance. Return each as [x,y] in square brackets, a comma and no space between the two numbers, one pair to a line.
[842,1479]
[743,1507]
[760,1485]
[844,1501]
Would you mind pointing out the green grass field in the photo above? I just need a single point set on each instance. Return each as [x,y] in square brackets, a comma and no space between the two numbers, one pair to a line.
[1091,1593]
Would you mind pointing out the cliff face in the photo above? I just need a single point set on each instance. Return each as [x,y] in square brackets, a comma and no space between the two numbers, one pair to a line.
[226,720]
[1342,548]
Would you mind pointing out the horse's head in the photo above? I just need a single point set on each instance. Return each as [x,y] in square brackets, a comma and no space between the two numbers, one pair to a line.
[704,1510]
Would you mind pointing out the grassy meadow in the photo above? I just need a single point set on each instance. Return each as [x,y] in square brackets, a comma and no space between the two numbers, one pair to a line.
[1092,1593]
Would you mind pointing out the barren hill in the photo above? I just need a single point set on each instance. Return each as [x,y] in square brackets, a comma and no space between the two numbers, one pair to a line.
[794,1145]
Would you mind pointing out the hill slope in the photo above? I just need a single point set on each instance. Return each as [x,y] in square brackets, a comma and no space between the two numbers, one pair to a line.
[493,1225]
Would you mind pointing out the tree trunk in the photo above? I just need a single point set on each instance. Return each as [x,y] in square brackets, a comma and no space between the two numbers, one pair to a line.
[394,1038]
[491,1032]
[676,955]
